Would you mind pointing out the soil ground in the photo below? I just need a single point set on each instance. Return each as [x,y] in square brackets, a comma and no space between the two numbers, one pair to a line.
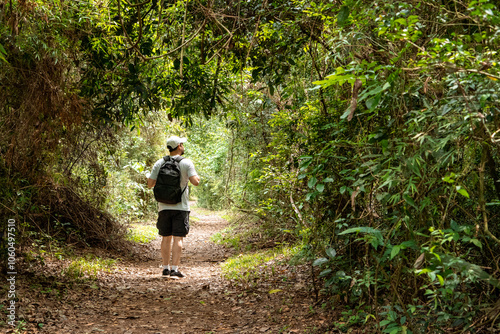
[134,298]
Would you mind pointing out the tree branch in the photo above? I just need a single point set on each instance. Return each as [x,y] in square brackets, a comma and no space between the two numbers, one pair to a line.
[264,5]
[458,69]
[137,4]
[180,46]
[134,46]
[321,95]
[183,38]
[482,202]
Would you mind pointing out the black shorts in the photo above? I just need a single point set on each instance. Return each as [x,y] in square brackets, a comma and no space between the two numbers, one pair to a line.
[173,222]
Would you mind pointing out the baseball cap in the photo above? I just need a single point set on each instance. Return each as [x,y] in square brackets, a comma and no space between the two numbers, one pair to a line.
[174,141]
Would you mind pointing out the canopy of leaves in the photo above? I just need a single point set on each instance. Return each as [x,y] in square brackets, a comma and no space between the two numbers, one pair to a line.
[366,130]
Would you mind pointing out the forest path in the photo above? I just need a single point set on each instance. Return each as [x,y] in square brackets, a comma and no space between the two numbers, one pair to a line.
[136,299]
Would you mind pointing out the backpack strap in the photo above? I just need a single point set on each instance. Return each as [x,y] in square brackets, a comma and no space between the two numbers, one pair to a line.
[178,159]
[183,190]
[168,157]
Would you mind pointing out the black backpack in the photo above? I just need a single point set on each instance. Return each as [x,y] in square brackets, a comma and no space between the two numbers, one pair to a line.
[168,183]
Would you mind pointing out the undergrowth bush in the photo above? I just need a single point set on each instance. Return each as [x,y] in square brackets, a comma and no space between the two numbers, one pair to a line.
[384,167]
[88,267]
[132,158]
[208,141]
[247,268]
[140,233]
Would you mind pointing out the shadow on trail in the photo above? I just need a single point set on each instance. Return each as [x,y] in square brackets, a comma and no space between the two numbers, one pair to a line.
[136,299]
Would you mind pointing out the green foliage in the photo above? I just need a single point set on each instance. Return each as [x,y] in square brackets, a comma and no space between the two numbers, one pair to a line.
[127,167]
[88,266]
[142,233]
[244,234]
[365,131]
[244,268]
[382,133]
[227,237]
[207,146]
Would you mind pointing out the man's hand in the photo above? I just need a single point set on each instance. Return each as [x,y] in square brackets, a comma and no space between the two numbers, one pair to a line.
[151,183]
[195,180]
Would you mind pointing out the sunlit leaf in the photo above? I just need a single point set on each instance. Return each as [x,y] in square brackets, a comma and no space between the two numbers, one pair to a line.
[346,113]
[395,251]
[462,191]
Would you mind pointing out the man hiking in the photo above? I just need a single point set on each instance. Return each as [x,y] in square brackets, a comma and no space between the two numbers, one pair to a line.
[170,176]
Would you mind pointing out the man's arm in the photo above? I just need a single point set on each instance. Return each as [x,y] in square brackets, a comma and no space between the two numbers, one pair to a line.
[195,180]
[154,173]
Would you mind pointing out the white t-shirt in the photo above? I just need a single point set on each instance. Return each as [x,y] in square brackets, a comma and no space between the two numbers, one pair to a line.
[187,170]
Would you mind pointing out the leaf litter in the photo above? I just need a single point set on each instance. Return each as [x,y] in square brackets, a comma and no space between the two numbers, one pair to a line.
[134,298]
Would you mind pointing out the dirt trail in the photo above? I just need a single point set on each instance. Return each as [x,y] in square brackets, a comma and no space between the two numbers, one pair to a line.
[136,299]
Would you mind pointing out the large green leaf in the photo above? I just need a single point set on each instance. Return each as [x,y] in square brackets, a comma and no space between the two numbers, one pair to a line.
[320,261]
[331,253]
[312,182]
[395,251]
[343,15]
[373,102]
[462,191]
[360,229]
[469,269]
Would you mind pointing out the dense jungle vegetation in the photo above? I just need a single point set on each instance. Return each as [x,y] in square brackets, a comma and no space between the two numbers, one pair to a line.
[367,132]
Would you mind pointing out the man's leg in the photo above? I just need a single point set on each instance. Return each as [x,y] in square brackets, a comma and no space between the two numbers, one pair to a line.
[180,228]
[166,247]
[177,251]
